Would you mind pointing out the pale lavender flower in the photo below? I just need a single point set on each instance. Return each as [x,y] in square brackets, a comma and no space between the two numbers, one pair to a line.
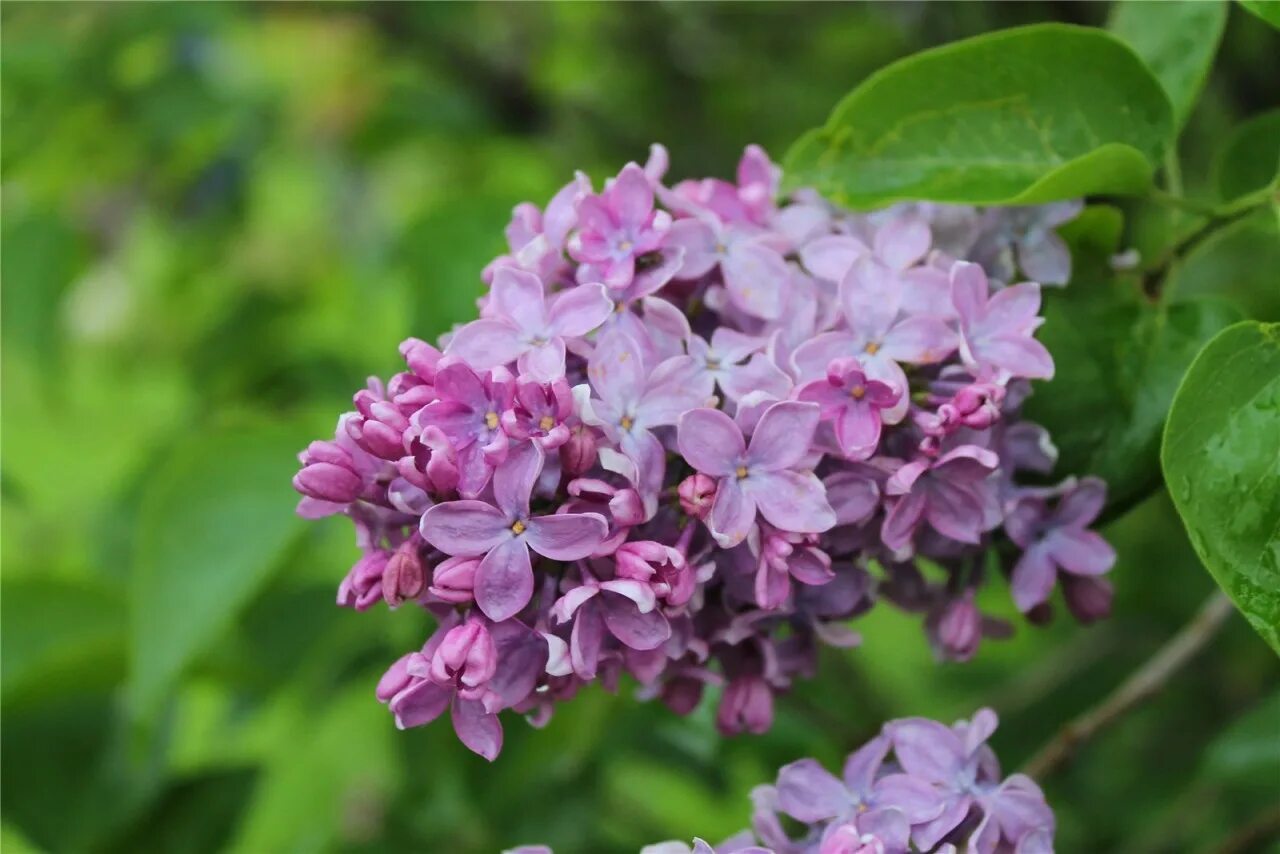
[505,534]
[521,326]
[616,227]
[764,475]
[996,331]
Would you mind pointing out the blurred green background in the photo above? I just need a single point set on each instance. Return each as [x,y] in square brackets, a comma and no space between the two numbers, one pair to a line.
[218,219]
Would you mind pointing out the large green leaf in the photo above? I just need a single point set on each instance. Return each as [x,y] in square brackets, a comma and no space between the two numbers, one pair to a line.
[215,519]
[1118,359]
[1237,263]
[1222,467]
[60,637]
[1248,166]
[1267,10]
[1020,116]
[1177,41]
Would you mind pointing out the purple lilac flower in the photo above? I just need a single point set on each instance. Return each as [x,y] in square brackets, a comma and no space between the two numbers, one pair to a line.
[617,227]
[762,476]
[521,326]
[504,532]
[694,434]
[1057,540]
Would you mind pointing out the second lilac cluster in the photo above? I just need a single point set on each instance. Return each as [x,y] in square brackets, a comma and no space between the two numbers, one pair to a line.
[697,428]
[919,785]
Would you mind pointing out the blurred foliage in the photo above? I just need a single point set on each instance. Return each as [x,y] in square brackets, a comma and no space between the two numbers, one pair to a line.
[218,219]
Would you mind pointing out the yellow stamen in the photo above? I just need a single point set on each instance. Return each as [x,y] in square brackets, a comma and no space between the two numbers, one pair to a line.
[626,422]
[491,420]
[741,472]
[517,528]
[873,348]
[546,422]
[858,392]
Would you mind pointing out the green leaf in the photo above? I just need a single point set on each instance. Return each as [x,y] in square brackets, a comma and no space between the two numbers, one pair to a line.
[1223,471]
[1021,116]
[1237,263]
[1177,41]
[1267,10]
[1248,747]
[1118,360]
[60,637]
[1247,169]
[215,519]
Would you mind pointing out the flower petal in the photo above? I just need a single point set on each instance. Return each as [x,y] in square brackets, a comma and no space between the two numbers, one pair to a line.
[504,580]
[566,536]
[486,343]
[732,514]
[791,500]
[783,435]
[579,310]
[710,441]
[903,240]
[513,481]
[420,703]
[1033,577]
[637,630]
[480,731]
[466,528]
[830,256]
[756,276]
[808,792]
[1081,552]
[517,295]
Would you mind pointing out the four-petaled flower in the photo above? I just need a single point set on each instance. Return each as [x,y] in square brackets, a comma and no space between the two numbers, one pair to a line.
[852,403]
[522,328]
[505,533]
[996,332]
[764,475]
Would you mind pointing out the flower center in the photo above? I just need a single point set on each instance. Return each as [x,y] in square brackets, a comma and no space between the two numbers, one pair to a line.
[873,347]
[626,422]
[518,528]
[624,246]
[491,420]
[741,472]
[858,392]
[713,364]
[546,422]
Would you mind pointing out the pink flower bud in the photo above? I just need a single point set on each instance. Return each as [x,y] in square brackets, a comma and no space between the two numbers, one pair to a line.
[746,706]
[421,357]
[454,580]
[627,508]
[328,482]
[578,455]
[403,578]
[465,659]
[362,588]
[697,493]
[396,679]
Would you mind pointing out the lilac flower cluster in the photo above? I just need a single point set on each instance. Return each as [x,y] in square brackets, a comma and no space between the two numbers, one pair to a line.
[917,786]
[695,429]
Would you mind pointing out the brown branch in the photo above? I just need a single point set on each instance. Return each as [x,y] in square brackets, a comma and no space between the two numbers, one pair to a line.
[1264,828]
[1145,682]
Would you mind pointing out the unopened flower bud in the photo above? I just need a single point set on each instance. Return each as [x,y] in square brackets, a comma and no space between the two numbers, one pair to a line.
[421,358]
[328,482]
[697,493]
[466,658]
[454,579]
[627,508]
[578,455]
[746,706]
[403,578]
[959,629]
[396,679]
[1088,597]
[362,588]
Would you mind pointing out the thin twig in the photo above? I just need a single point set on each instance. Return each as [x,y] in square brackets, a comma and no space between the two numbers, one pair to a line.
[1146,681]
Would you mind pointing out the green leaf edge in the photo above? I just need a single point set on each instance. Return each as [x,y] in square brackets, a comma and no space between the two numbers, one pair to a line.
[1043,190]
[1267,332]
